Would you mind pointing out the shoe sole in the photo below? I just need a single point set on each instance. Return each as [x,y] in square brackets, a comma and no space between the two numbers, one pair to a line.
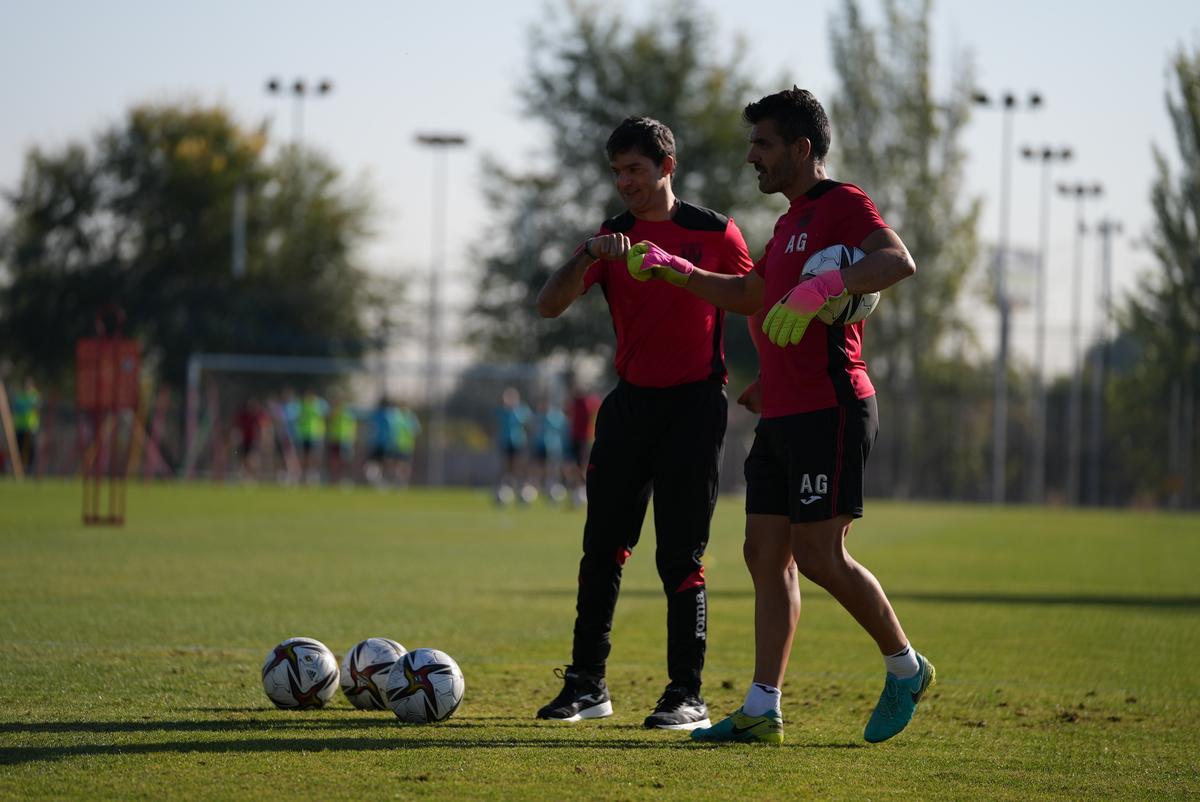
[771,739]
[932,680]
[692,725]
[601,710]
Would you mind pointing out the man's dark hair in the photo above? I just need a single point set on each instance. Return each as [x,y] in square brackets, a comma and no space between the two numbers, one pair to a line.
[649,137]
[797,113]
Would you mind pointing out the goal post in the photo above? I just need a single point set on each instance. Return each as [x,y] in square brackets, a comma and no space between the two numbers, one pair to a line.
[468,392]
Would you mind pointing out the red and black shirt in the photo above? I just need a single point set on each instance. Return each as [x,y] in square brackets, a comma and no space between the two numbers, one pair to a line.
[825,369]
[665,335]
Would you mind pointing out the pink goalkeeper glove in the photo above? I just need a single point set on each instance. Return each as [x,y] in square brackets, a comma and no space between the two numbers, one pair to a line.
[787,321]
[646,261]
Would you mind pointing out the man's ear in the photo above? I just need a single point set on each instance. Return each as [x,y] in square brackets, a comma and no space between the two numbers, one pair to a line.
[668,166]
[803,147]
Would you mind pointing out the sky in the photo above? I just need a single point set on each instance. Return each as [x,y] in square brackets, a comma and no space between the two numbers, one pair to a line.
[402,68]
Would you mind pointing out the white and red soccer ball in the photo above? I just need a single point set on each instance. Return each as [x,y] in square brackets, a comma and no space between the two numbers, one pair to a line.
[425,686]
[365,670]
[300,673]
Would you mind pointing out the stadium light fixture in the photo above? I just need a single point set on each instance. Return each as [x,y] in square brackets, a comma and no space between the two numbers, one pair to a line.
[441,144]
[300,91]
[1008,103]
[1036,474]
[1081,192]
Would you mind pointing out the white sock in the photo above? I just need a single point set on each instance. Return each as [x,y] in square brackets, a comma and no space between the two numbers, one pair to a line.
[761,698]
[903,664]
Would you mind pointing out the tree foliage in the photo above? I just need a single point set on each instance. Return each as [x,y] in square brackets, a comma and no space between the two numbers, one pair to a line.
[590,68]
[1154,402]
[899,142]
[143,218]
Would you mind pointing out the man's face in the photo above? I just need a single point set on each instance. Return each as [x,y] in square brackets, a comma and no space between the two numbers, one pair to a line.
[777,162]
[640,181]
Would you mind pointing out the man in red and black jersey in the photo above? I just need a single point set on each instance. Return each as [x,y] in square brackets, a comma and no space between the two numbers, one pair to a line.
[804,473]
[661,429]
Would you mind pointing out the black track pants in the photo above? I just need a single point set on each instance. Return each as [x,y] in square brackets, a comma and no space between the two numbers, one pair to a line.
[667,441]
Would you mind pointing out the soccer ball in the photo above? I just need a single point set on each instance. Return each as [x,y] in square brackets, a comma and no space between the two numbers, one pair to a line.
[365,672]
[852,308]
[426,685]
[300,673]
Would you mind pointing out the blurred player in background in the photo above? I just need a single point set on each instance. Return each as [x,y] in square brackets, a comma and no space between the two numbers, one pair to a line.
[512,438]
[406,428]
[549,439]
[582,408]
[310,425]
[287,415]
[249,422]
[381,459]
[343,437]
[27,421]
[660,430]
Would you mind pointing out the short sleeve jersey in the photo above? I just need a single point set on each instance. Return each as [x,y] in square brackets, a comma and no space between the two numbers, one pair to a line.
[665,335]
[406,428]
[512,422]
[825,369]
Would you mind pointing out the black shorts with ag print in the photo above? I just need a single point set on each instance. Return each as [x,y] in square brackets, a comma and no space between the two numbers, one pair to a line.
[810,466]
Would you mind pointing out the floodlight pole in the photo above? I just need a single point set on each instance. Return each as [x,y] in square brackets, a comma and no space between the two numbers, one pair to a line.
[300,91]
[1037,469]
[1106,229]
[436,399]
[1081,192]
[1008,104]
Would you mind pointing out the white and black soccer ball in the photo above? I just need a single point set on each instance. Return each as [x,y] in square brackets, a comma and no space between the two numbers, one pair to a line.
[504,496]
[425,686]
[300,673]
[852,308]
[365,670]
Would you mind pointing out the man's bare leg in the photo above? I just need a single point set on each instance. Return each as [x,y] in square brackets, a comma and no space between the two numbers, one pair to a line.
[820,552]
[768,555]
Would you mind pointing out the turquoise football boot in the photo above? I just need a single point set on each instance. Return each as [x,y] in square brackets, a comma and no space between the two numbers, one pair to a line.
[737,727]
[898,702]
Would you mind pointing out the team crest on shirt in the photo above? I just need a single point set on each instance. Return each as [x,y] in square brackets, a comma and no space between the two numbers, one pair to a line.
[693,252]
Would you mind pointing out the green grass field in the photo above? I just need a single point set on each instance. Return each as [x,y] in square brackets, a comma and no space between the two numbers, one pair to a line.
[1066,645]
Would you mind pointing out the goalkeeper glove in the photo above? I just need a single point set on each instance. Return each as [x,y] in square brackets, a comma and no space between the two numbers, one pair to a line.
[787,321]
[646,261]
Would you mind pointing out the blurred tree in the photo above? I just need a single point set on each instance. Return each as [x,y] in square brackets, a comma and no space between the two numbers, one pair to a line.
[894,139]
[144,219]
[589,69]
[1153,401]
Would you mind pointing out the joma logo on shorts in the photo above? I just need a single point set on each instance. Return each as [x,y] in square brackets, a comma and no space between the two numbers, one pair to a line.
[820,485]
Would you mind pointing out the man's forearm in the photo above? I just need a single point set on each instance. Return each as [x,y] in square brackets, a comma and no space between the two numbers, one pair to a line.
[734,293]
[877,271]
[563,286]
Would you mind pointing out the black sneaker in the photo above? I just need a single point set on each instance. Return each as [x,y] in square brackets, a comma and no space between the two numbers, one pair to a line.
[679,708]
[582,696]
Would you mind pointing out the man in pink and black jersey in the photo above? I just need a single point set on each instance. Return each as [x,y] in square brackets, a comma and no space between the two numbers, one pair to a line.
[660,430]
[804,473]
